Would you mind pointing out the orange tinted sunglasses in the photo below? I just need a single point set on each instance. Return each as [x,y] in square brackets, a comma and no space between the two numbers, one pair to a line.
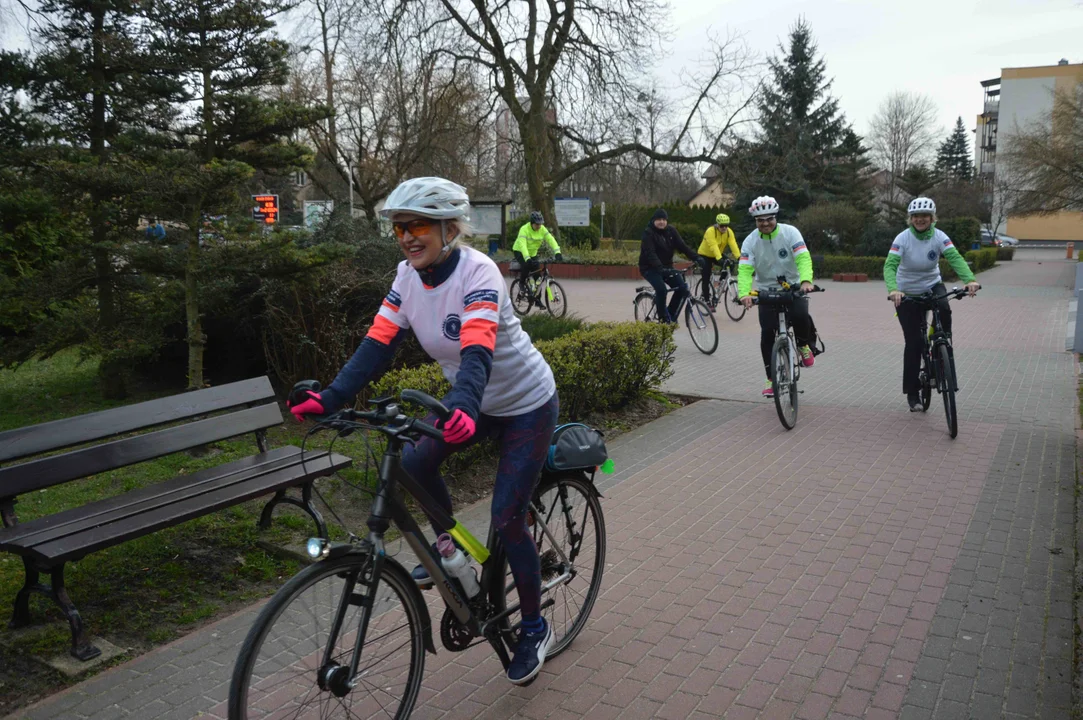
[416,228]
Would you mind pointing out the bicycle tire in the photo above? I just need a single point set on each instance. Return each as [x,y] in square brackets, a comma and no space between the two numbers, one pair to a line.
[299,637]
[785,384]
[698,290]
[556,300]
[546,497]
[701,325]
[734,307]
[947,376]
[643,307]
[926,378]
[521,302]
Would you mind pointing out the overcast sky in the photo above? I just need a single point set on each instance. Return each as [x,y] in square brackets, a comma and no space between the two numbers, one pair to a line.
[943,48]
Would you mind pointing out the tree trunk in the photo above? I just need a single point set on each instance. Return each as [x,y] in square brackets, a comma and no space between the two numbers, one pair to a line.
[196,339]
[537,154]
[110,371]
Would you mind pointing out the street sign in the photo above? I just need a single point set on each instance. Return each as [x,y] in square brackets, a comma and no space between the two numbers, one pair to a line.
[573,212]
[316,211]
[266,209]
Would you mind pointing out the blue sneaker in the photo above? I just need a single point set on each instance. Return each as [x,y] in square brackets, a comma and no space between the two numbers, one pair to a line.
[421,575]
[530,655]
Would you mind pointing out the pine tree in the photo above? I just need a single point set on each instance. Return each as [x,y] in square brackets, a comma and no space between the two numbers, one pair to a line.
[229,58]
[801,129]
[953,159]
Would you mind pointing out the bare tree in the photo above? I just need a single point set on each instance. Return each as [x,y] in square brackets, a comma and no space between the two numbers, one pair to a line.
[1040,166]
[902,134]
[568,70]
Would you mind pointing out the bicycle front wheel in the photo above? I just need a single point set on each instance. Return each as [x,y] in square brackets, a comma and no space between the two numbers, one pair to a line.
[947,376]
[925,377]
[521,299]
[785,383]
[295,662]
[701,325]
[644,308]
[574,548]
[556,302]
[734,307]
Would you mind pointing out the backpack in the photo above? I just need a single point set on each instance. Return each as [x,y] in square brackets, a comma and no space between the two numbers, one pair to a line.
[576,446]
[816,343]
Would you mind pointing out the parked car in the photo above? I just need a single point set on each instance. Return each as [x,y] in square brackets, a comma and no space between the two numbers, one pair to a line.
[997,239]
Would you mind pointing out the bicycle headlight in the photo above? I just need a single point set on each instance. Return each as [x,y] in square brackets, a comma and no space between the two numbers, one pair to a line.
[318,548]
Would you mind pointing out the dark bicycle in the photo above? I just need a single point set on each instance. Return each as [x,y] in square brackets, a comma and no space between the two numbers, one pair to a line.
[723,290]
[541,290]
[697,316]
[347,636]
[938,357]
[785,359]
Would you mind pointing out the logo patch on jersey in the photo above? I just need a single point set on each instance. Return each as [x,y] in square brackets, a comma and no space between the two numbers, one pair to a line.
[453,327]
[932,255]
[481,300]
[782,253]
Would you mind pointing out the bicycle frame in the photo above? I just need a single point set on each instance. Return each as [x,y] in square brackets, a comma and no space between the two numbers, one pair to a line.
[388,508]
[934,340]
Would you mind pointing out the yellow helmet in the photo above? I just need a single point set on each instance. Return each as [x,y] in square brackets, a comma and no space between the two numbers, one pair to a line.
[722,219]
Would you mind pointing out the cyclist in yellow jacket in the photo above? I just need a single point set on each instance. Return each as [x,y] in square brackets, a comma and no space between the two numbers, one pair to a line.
[717,239]
[531,235]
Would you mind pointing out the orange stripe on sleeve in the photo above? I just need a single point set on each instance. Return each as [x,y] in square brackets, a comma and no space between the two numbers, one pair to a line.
[383,330]
[474,307]
[478,331]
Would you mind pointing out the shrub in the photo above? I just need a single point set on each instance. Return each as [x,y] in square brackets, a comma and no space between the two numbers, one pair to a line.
[543,326]
[963,231]
[1005,253]
[599,367]
[871,266]
[691,233]
[831,226]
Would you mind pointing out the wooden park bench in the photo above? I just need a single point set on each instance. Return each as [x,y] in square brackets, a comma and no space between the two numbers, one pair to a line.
[106,442]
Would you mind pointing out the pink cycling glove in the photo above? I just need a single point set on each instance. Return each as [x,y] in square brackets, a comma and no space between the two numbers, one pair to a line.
[460,428]
[312,406]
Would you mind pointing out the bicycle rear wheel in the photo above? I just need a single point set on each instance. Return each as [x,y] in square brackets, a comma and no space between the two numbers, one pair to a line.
[569,507]
[521,299]
[734,308]
[926,378]
[644,308]
[701,325]
[556,302]
[281,670]
[947,392]
[785,382]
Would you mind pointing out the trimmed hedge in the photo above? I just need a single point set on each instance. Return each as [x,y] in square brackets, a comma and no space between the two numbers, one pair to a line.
[963,231]
[831,264]
[1005,253]
[543,326]
[599,367]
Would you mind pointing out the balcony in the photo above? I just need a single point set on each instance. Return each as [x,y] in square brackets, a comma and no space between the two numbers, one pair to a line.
[989,145]
[992,107]
[987,168]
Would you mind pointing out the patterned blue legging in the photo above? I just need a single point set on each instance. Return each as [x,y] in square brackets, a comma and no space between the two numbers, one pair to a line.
[524,442]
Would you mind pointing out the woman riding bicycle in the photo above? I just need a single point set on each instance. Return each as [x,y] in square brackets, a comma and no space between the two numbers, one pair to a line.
[913,266]
[660,239]
[772,250]
[719,237]
[454,299]
[527,242]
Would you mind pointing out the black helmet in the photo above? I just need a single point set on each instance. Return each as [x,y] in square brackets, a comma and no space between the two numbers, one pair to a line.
[537,218]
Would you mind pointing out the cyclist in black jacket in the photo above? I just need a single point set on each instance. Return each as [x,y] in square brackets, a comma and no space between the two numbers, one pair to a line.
[660,239]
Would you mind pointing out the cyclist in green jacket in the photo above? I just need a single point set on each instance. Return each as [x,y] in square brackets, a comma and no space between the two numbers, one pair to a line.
[913,266]
[531,236]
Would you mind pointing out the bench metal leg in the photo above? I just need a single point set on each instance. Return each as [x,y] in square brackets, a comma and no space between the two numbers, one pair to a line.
[305,503]
[81,648]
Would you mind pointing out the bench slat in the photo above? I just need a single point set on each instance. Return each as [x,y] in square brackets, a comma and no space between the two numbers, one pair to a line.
[76,546]
[51,527]
[59,469]
[59,434]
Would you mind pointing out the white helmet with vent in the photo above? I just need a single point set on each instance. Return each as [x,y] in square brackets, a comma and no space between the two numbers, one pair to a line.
[431,197]
[921,206]
[763,206]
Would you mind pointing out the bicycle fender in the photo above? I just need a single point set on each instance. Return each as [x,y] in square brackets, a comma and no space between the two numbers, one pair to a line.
[392,566]
[583,475]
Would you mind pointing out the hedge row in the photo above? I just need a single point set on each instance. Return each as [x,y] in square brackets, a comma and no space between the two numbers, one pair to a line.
[570,237]
[599,367]
[963,231]
[824,266]
[1005,253]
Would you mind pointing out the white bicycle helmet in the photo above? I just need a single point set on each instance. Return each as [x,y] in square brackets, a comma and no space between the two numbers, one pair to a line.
[763,206]
[431,197]
[921,206]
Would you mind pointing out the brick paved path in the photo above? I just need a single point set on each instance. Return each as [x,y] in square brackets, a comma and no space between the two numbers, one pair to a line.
[862,565]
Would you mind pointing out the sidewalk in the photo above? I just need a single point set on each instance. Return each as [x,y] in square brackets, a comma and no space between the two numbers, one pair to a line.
[863,565]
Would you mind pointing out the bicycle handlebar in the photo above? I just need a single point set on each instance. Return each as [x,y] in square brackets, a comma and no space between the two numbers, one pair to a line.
[777,297]
[956,293]
[388,418]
